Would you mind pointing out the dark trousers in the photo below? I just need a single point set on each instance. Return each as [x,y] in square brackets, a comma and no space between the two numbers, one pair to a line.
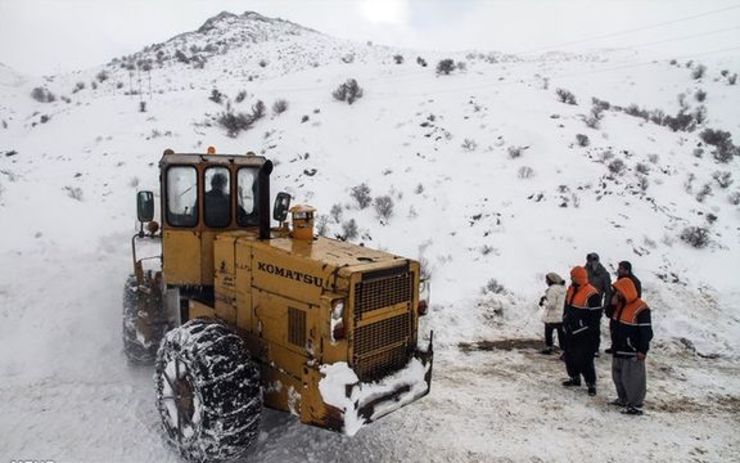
[595,331]
[579,359]
[549,328]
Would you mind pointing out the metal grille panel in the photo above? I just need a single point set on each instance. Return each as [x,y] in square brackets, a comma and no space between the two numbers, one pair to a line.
[384,333]
[383,292]
[296,327]
[381,364]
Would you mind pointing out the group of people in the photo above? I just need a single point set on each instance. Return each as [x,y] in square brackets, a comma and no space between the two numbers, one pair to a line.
[575,313]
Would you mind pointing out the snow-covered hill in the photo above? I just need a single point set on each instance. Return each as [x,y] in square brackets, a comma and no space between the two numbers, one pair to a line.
[490,185]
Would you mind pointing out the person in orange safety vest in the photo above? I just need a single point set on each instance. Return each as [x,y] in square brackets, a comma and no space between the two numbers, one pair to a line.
[582,305]
[631,335]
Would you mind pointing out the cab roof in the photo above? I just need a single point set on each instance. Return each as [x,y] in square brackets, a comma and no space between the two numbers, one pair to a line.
[250,159]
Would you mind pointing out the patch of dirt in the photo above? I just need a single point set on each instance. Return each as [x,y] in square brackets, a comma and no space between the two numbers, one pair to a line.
[502,344]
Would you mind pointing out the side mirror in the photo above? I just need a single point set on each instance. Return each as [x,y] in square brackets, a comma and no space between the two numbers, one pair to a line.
[145,206]
[282,204]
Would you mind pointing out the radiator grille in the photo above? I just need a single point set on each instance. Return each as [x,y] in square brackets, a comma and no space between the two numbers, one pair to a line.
[296,327]
[383,363]
[371,342]
[383,292]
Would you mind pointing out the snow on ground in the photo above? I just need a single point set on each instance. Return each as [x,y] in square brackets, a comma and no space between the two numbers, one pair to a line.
[473,213]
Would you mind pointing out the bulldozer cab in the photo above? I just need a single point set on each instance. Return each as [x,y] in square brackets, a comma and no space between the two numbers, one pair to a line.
[203,195]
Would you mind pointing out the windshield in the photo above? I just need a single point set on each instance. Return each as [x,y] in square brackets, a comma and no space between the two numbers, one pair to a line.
[182,191]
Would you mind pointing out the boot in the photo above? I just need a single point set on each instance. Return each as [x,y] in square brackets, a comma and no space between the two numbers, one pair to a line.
[546,351]
[572,382]
[592,390]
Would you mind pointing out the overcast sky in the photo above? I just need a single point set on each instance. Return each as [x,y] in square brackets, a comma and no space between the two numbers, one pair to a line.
[50,36]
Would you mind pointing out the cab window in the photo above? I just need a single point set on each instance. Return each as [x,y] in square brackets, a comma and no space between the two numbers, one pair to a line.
[247,197]
[217,203]
[182,193]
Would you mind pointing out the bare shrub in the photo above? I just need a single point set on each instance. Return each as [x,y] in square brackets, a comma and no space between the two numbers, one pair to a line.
[240,96]
[469,145]
[565,96]
[235,122]
[384,207]
[361,194]
[336,213]
[697,237]
[642,182]
[722,142]
[74,192]
[698,72]
[349,91]
[349,230]
[493,287]
[262,63]
[322,225]
[734,198]
[582,140]
[525,172]
[732,80]
[421,61]
[642,168]
[216,96]
[258,110]
[601,105]
[419,189]
[700,95]
[515,151]
[279,106]
[616,167]
[461,65]
[445,66]
[398,59]
[654,158]
[723,179]
[42,95]
[705,191]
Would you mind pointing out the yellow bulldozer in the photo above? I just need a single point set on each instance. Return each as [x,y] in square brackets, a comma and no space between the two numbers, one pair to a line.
[237,315]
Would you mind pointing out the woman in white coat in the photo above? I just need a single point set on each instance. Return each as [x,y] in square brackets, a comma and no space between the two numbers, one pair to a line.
[551,309]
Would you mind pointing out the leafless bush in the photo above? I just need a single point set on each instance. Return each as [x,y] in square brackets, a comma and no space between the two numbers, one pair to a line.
[515,151]
[616,167]
[461,65]
[263,63]
[361,194]
[419,189]
[349,230]
[698,152]
[398,59]
[74,192]
[349,58]
[258,110]
[698,72]
[601,105]
[582,139]
[384,207]
[469,145]
[142,106]
[697,237]
[642,168]
[654,158]
[734,198]
[705,191]
[642,182]
[493,287]
[216,96]
[421,61]
[732,80]
[525,172]
[723,179]
[445,66]
[336,213]
[349,91]
[279,106]
[240,96]
[725,150]
[565,96]
[700,95]
[322,225]
[42,95]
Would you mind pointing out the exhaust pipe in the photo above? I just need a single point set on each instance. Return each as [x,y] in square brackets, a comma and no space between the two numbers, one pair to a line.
[263,179]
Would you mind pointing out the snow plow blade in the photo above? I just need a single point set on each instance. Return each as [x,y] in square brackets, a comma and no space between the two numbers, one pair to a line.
[362,403]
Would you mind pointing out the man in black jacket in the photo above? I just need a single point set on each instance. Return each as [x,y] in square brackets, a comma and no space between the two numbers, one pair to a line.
[631,338]
[624,270]
[599,278]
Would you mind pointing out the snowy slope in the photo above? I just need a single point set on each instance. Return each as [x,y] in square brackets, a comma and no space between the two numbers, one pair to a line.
[441,147]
